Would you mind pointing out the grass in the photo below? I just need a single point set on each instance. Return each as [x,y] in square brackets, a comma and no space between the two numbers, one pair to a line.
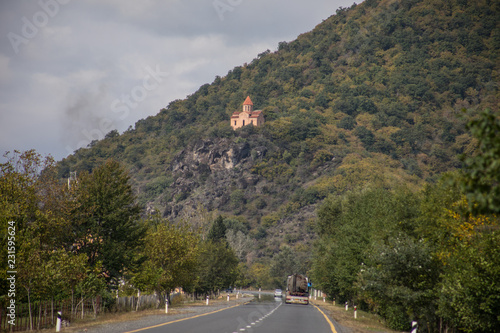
[365,322]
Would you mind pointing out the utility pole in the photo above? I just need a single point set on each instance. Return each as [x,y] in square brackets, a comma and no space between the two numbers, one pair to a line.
[71,178]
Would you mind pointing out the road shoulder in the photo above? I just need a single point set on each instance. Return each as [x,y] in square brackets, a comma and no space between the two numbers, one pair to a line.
[344,320]
[136,321]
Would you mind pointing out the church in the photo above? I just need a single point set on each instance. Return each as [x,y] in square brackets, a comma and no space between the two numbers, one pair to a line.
[247,116]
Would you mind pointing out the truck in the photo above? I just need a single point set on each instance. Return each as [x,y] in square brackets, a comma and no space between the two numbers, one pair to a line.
[297,289]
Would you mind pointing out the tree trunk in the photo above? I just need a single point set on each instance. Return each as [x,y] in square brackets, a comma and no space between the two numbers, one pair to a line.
[72,302]
[94,305]
[29,309]
[138,300]
[39,315]
[160,300]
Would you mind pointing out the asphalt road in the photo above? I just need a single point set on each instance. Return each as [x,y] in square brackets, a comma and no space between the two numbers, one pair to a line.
[267,315]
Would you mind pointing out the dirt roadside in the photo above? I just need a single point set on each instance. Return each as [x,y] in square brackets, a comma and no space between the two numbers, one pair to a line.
[365,322]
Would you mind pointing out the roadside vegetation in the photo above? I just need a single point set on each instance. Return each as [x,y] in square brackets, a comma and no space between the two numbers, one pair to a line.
[86,239]
[431,256]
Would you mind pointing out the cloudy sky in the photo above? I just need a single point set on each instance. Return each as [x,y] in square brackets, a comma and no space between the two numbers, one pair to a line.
[71,71]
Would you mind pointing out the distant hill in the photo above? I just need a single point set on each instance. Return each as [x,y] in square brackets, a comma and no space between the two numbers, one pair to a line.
[373,94]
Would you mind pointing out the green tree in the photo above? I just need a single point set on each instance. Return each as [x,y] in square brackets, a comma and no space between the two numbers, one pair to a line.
[217,267]
[92,285]
[401,277]
[349,226]
[481,176]
[20,187]
[470,294]
[171,256]
[218,231]
[287,262]
[66,271]
[35,205]
[31,258]
[466,247]
[106,220]
[365,135]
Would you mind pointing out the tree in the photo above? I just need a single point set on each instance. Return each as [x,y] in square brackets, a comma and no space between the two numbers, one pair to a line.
[349,226]
[347,123]
[217,267]
[286,262]
[400,277]
[35,205]
[365,135]
[30,259]
[66,270]
[239,242]
[92,285]
[261,275]
[470,282]
[171,256]
[466,247]
[470,294]
[106,220]
[19,187]
[481,176]
[218,231]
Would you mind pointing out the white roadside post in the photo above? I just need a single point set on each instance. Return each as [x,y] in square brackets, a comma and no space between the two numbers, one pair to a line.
[346,306]
[58,322]
[207,299]
[228,297]
[355,312]
[166,305]
[414,326]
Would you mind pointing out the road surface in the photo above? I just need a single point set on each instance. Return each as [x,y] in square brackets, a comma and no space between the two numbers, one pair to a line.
[267,315]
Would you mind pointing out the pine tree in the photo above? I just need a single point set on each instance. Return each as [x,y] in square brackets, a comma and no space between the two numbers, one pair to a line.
[218,231]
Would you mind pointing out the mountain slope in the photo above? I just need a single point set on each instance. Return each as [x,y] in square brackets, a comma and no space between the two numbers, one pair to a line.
[371,95]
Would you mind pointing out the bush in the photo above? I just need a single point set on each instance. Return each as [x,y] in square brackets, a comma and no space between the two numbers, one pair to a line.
[320,157]
[365,135]
[347,123]
[397,318]
[237,200]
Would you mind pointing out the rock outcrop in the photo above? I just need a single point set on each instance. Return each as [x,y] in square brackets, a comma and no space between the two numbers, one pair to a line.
[209,171]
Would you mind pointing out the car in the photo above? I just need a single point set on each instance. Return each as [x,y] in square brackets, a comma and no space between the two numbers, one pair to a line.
[278,293]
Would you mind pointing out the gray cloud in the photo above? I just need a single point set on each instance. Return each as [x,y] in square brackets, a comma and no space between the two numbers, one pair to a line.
[64,64]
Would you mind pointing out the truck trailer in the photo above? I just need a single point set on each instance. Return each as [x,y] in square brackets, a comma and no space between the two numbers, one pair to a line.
[297,289]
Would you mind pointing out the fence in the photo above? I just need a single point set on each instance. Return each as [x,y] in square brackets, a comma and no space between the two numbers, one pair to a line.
[134,303]
[44,313]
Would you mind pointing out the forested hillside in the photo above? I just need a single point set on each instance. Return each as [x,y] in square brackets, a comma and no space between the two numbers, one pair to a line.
[344,181]
[373,94]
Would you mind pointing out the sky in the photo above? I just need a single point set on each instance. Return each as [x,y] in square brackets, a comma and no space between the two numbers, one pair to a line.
[71,71]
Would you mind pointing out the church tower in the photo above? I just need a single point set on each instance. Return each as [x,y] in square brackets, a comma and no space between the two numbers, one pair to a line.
[248,105]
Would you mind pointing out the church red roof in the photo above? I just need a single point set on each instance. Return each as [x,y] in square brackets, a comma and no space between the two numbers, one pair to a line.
[248,101]
[256,114]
